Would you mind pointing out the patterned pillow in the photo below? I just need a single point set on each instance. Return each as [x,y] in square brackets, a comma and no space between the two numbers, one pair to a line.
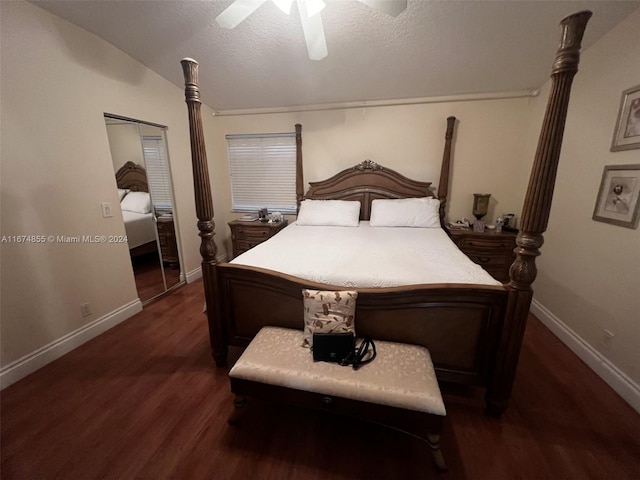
[328,312]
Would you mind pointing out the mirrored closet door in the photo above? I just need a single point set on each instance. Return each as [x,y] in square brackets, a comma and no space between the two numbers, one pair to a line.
[141,166]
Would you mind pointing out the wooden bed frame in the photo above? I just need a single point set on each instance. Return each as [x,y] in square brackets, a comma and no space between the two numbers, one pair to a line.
[133,177]
[474,332]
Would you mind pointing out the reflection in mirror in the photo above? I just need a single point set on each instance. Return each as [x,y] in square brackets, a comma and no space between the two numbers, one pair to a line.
[141,166]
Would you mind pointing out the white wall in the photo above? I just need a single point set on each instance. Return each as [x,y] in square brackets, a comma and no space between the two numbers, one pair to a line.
[125,144]
[487,154]
[57,82]
[589,272]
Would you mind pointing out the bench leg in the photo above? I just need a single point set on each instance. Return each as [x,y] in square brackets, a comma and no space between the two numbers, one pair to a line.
[239,401]
[433,440]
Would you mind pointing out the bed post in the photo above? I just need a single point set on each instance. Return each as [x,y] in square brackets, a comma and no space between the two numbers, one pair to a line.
[299,175]
[535,214]
[445,169]
[204,207]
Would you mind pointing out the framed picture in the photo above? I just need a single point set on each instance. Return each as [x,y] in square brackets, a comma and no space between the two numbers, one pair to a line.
[627,133]
[617,201]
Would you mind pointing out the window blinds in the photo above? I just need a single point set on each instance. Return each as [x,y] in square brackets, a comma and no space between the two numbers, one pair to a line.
[263,172]
[157,165]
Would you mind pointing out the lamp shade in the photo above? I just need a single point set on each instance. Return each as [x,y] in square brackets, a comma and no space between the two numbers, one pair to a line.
[480,204]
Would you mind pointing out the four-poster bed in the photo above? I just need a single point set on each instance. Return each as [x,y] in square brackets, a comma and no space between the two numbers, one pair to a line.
[474,332]
[138,215]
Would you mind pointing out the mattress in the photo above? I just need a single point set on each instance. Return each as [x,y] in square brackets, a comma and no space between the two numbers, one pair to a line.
[365,256]
[140,228]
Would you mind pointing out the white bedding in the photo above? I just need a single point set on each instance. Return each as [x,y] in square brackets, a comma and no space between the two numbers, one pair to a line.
[365,256]
[140,228]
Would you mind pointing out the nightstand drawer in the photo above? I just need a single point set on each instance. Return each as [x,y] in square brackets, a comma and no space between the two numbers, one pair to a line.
[487,242]
[241,246]
[499,273]
[246,235]
[493,251]
[257,232]
[167,237]
[490,260]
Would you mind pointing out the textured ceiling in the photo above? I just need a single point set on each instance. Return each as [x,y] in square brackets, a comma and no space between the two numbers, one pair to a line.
[433,48]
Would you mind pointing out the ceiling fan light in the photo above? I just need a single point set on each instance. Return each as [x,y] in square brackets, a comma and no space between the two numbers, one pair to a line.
[284,5]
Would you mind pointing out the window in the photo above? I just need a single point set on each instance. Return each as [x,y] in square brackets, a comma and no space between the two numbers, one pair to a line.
[155,159]
[263,172]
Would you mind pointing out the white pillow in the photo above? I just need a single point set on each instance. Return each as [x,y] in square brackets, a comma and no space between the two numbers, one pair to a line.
[405,212]
[137,202]
[122,192]
[337,213]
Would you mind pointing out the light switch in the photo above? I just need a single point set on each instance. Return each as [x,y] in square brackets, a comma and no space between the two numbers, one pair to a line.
[106,210]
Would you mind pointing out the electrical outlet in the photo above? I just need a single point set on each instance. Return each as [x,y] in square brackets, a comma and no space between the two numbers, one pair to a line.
[607,339]
[106,210]
[85,308]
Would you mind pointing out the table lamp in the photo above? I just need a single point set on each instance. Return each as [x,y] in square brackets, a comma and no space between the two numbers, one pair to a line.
[480,208]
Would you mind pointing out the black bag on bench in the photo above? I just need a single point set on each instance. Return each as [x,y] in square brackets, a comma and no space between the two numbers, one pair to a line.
[341,348]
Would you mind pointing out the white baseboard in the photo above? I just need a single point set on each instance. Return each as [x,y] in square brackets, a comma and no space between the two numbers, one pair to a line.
[194,275]
[612,375]
[39,358]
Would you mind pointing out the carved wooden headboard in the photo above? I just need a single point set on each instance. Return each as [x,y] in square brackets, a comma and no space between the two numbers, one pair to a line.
[365,182]
[133,177]
[368,180]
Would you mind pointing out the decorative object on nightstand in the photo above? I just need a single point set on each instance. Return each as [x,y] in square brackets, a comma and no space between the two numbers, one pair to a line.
[491,249]
[246,235]
[275,217]
[509,220]
[480,208]
[167,237]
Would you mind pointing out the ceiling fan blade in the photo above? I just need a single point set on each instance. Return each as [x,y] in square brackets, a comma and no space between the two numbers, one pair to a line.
[237,12]
[313,33]
[390,7]
[284,5]
[313,6]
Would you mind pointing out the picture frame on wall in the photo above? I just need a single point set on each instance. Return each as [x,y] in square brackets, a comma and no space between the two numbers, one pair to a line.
[617,201]
[627,133]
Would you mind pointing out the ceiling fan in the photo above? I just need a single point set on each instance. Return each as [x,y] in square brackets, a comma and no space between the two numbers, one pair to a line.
[310,18]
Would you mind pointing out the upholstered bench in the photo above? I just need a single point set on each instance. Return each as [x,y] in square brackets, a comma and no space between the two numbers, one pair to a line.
[399,388]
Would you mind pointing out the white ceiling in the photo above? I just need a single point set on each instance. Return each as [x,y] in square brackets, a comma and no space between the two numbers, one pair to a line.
[433,48]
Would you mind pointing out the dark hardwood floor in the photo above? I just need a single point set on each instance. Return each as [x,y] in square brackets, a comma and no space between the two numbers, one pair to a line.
[144,401]
[147,271]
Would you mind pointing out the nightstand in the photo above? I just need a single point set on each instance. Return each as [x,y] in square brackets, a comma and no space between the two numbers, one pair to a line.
[246,235]
[493,251]
[167,237]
